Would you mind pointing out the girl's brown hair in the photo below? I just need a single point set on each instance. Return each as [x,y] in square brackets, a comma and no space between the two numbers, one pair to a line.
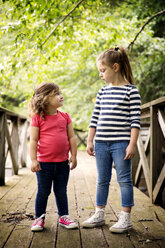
[39,101]
[118,55]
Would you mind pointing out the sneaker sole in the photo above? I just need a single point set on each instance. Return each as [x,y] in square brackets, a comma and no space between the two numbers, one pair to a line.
[115,230]
[68,227]
[91,225]
[37,229]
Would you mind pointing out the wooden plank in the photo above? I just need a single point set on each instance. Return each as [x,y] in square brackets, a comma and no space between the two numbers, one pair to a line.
[140,162]
[15,202]
[14,162]
[138,233]
[159,183]
[2,149]
[159,102]
[71,237]
[145,114]
[161,119]
[48,237]
[144,163]
[11,183]
[21,235]
[89,237]
[12,196]
[145,210]
[10,113]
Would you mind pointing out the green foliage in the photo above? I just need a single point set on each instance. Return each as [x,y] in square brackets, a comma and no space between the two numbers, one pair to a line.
[68,56]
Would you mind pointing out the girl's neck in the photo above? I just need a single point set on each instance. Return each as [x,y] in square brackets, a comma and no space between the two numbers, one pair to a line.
[51,111]
[119,81]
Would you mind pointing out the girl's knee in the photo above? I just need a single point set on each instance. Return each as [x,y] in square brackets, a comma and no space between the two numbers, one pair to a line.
[43,193]
[126,184]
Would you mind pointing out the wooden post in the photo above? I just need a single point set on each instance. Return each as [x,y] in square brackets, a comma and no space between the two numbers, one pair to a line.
[15,138]
[144,164]
[23,148]
[135,162]
[14,163]
[2,148]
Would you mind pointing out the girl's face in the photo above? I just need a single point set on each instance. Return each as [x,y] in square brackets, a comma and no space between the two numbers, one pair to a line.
[55,100]
[106,72]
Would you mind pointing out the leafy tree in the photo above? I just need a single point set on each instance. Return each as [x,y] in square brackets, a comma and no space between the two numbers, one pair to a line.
[60,40]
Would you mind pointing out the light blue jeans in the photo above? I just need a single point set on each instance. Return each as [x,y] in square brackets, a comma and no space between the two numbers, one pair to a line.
[106,153]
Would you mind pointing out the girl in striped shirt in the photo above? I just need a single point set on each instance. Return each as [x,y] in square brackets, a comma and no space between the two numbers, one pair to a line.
[115,125]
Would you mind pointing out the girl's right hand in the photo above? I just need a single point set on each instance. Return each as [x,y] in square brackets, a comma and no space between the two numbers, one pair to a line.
[35,166]
[90,149]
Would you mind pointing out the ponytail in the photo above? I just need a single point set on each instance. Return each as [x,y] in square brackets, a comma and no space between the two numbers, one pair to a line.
[118,55]
[126,70]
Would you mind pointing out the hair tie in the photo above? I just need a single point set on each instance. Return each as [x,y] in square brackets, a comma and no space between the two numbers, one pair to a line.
[116,48]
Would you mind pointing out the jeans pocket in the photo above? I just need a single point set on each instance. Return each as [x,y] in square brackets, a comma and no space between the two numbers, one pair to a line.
[100,146]
[124,145]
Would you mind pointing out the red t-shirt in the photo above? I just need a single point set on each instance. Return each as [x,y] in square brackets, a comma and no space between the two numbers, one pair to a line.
[53,144]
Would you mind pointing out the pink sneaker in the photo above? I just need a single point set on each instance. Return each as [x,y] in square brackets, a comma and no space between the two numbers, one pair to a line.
[38,224]
[66,222]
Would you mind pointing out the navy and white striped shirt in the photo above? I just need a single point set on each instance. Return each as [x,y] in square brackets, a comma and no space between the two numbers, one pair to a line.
[117,110]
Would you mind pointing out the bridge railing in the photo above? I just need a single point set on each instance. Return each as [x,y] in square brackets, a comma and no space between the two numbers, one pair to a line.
[13,141]
[148,168]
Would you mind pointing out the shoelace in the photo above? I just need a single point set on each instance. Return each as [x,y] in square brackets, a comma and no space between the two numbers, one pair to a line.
[66,219]
[95,216]
[38,221]
[122,220]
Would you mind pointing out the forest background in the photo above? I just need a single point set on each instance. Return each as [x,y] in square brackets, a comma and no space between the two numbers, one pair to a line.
[59,41]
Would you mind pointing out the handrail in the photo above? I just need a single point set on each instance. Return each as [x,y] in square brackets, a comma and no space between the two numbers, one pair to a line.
[148,164]
[13,139]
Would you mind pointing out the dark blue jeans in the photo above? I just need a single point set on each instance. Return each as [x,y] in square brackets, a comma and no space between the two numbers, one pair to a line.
[58,174]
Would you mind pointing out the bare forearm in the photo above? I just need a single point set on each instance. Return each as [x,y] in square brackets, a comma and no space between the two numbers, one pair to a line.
[33,150]
[91,134]
[134,136]
[73,146]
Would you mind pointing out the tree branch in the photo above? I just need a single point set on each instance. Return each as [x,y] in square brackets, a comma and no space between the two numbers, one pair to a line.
[141,29]
[43,43]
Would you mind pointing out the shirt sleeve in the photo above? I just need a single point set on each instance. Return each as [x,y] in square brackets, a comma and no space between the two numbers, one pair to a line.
[35,121]
[135,108]
[96,112]
[68,118]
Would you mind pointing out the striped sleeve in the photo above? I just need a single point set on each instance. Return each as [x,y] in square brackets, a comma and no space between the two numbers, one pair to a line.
[135,108]
[96,112]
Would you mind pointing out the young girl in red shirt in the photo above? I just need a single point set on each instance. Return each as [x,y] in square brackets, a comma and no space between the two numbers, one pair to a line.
[51,139]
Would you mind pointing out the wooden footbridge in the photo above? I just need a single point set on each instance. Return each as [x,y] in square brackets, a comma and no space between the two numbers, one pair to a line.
[17,196]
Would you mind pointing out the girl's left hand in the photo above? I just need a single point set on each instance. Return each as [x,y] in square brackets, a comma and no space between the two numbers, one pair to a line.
[130,152]
[73,162]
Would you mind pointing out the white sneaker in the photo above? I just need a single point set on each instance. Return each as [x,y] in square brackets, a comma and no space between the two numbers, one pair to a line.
[124,223]
[98,219]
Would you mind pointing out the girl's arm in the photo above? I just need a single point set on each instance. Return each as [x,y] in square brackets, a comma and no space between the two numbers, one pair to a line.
[34,135]
[131,148]
[90,146]
[73,146]
[135,111]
